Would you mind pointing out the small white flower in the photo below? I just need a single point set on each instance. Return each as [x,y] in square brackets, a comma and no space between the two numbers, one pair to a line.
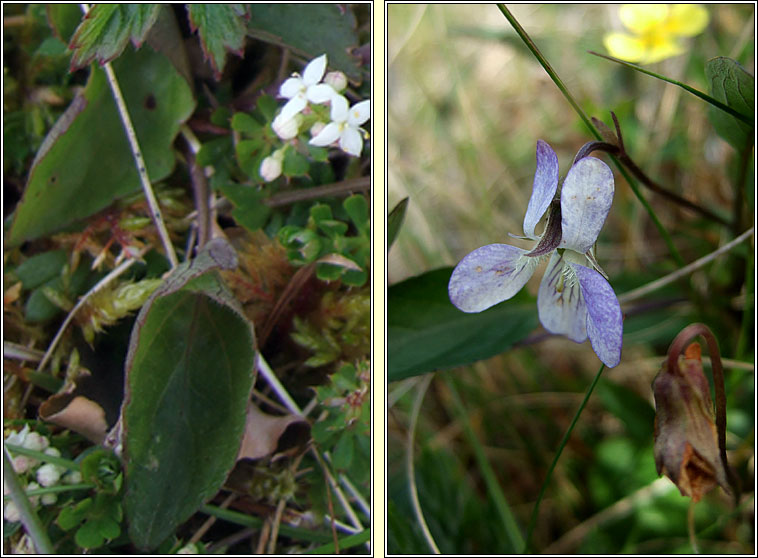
[49,499]
[271,166]
[34,441]
[345,126]
[337,80]
[286,127]
[73,477]
[17,438]
[299,90]
[11,512]
[22,463]
[33,499]
[49,474]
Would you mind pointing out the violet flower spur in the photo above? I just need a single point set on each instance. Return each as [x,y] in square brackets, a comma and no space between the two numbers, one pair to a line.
[574,297]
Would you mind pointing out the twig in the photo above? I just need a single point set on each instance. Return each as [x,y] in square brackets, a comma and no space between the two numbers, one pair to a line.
[674,276]
[202,200]
[275,521]
[211,520]
[139,160]
[277,386]
[361,184]
[98,287]
[29,519]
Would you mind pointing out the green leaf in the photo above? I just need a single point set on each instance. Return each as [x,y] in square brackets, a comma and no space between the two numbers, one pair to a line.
[221,27]
[395,220]
[311,30]
[41,268]
[106,30]
[85,162]
[357,209]
[342,455]
[70,517]
[246,124]
[731,84]
[64,19]
[190,370]
[294,164]
[249,209]
[425,332]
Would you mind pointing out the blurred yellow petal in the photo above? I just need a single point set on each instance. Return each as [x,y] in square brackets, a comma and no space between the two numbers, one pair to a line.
[661,50]
[687,19]
[641,18]
[624,47]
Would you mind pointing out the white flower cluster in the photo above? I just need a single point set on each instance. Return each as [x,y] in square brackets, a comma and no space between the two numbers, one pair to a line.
[344,129]
[46,475]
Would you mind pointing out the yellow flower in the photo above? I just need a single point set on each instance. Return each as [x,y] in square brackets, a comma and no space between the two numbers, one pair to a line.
[657,28]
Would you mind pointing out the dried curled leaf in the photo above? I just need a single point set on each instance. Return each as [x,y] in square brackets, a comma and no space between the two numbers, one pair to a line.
[686,445]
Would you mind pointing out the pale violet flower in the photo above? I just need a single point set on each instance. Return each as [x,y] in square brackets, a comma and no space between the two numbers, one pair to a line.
[271,166]
[574,298]
[345,126]
[300,90]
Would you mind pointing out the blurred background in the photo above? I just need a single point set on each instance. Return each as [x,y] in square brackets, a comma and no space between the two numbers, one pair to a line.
[467,103]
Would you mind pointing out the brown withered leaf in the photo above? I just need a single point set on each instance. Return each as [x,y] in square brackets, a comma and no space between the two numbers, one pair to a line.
[686,445]
[77,413]
[266,434]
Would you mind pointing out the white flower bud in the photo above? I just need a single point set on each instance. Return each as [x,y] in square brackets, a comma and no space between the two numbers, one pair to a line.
[271,168]
[22,463]
[189,548]
[337,80]
[11,513]
[74,477]
[34,441]
[49,474]
[316,128]
[49,499]
[286,128]
[33,499]
[55,452]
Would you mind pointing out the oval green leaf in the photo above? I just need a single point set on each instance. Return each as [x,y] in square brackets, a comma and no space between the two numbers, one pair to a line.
[85,162]
[190,370]
[425,332]
[732,85]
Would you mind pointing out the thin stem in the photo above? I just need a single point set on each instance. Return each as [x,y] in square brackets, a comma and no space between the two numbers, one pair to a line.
[116,272]
[294,408]
[559,83]
[674,276]
[691,527]
[28,517]
[626,160]
[277,386]
[564,441]
[139,160]
[413,489]
[510,525]
[152,202]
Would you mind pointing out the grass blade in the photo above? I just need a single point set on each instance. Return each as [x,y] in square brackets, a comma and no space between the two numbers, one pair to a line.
[707,98]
